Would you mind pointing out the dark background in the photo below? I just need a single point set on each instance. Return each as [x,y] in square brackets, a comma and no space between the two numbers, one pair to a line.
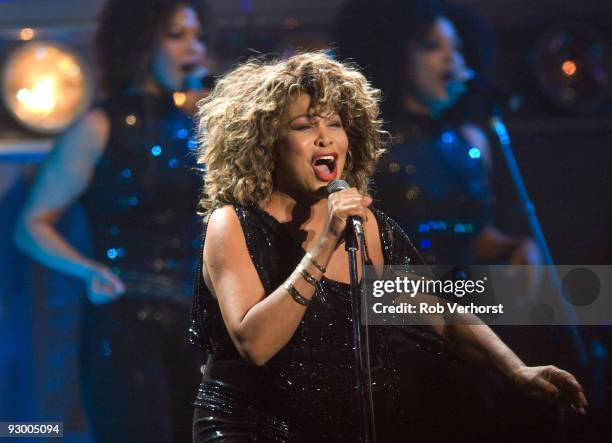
[565,157]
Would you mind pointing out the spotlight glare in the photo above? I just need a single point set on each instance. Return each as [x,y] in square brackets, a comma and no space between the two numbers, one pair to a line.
[569,67]
[45,86]
[179,98]
[26,34]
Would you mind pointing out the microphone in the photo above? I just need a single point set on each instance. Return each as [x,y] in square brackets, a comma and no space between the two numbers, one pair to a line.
[198,78]
[355,222]
[492,94]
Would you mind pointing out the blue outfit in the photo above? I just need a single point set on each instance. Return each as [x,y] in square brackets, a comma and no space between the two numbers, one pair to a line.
[138,371]
[435,185]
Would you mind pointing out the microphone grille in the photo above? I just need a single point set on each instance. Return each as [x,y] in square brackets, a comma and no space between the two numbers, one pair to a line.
[336,185]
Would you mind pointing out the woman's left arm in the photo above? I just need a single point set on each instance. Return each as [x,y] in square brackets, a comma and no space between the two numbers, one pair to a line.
[478,343]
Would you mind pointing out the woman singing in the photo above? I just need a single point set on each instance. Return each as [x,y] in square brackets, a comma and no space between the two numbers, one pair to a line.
[128,162]
[272,303]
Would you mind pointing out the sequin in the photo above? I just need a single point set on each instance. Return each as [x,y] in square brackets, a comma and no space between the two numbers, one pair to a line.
[474,152]
[111,253]
[446,180]
[317,365]
[131,188]
[156,150]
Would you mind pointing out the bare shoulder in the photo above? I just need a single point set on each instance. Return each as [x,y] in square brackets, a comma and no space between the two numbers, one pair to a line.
[224,237]
[222,223]
[91,130]
[83,143]
[69,167]
[228,269]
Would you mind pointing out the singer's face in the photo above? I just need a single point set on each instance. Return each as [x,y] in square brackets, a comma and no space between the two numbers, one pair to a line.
[180,51]
[436,66]
[311,149]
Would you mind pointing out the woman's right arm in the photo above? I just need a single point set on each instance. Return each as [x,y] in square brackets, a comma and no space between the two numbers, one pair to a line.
[259,325]
[61,180]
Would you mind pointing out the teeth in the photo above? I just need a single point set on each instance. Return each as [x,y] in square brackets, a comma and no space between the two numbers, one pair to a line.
[326,157]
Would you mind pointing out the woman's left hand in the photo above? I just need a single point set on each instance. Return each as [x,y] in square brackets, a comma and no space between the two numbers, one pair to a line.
[551,383]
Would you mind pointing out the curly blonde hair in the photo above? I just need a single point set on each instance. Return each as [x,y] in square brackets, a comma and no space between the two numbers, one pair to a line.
[239,124]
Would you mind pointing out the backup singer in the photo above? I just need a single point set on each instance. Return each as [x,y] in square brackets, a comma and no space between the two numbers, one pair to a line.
[127,162]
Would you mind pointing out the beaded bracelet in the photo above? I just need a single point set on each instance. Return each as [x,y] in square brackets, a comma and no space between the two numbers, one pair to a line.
[315,263]
[295,294]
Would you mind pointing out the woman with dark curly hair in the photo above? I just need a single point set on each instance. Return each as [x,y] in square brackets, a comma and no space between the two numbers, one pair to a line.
[272,302]
[435,180]
[127,162]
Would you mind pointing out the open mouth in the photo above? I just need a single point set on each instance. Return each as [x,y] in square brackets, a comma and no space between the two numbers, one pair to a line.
[325,167]
[188,67]
[448,77]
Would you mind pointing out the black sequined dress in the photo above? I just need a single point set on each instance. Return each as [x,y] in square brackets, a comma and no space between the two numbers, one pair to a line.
[136,365]
[306,392]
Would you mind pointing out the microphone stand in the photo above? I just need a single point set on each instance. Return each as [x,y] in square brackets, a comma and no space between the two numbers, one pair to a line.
[500,130]
[362,353]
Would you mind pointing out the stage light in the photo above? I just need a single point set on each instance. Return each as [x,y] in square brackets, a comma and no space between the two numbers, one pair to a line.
[45,86]
[26,34]
[568,67]
[573,67]
[179,98]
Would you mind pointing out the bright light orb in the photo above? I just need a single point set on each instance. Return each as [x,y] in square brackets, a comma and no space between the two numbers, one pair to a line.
[45,86]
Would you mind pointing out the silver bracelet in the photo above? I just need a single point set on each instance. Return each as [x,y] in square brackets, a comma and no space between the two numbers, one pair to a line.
[295,294]
[308,276]
[316,264]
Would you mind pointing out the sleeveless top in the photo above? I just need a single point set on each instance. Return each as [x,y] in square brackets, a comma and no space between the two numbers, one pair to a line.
[310,383]
[141,201]
[435,185]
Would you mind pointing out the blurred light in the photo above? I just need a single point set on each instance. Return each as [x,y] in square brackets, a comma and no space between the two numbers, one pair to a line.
[464,228]
[290,23]
[179,98]
[559,52]
[474,152]
[413,193]
[182,133]
[394,167]
[26,34]
[111,253]
[568,67]
[423,227]
[156,150]
[173,163]
[433,225]
[448,137]
[133,200]
[45,86]
[130,120]
[410,169]
[425,244]
[192,144]
[126,173]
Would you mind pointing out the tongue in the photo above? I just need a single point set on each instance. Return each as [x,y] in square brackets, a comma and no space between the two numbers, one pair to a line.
[323,172]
